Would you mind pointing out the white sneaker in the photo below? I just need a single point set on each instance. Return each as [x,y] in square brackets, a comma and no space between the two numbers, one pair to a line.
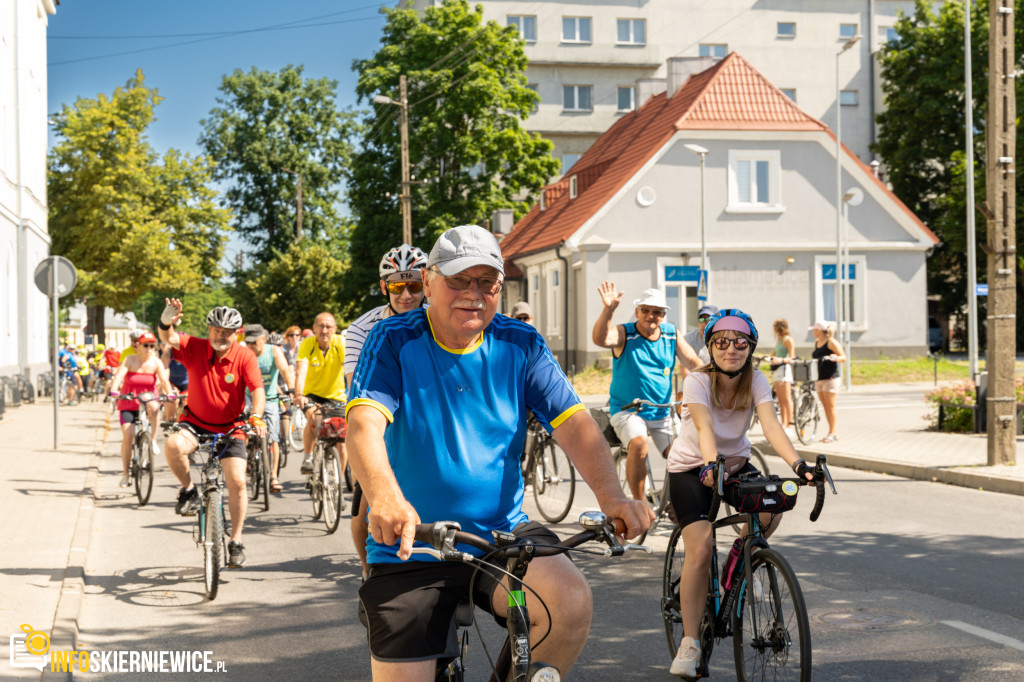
[126,481]
[685,662]
[156,449]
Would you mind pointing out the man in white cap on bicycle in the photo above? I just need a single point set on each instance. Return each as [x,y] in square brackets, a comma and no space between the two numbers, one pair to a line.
[643,359]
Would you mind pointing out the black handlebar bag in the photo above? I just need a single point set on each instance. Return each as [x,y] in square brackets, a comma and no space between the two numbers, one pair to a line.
[760,495]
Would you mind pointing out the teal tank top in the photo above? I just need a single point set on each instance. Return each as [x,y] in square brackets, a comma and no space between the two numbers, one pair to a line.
[644,370]
[269,371]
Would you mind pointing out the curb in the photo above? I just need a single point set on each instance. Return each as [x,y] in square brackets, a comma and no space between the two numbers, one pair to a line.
[958,477]
[72,588]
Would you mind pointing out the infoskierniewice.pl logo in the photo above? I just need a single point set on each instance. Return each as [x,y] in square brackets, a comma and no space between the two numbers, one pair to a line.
[31,649]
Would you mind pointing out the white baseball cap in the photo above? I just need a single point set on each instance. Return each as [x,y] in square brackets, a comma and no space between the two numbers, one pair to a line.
[655,298]
[462,247]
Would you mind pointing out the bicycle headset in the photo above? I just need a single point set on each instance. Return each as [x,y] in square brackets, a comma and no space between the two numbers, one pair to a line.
[404,258]
[731,319]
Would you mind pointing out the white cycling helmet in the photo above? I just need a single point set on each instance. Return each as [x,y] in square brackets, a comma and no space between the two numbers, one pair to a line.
[402,259]
[224,317]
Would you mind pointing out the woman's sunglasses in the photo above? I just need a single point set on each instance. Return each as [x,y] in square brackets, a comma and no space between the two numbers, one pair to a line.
[722,343]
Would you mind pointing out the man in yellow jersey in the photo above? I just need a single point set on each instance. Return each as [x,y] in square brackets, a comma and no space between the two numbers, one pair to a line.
[130,350]
[320,380]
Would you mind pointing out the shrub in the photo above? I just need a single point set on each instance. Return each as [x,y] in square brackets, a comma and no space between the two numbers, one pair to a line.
[960,394]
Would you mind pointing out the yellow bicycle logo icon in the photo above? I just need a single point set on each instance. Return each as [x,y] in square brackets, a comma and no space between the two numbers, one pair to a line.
[36,641]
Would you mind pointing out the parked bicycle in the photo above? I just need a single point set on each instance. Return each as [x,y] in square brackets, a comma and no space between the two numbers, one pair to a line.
[141,467]
[547,469]
[513,663]
[806,414]
[324,482]
[763,608]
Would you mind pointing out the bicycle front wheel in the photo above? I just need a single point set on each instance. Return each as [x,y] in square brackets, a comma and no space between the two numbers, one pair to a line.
[298,423]
[332,500]
[252,468]
[142,468]
[213,542]
[670,612]
[806,419]
[771,632]
[316,482]
[554,482]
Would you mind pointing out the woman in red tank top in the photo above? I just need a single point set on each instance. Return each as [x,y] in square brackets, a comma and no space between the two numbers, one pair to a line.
[139,373]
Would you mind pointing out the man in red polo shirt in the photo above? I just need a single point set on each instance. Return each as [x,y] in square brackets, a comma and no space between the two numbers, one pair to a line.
[219,371]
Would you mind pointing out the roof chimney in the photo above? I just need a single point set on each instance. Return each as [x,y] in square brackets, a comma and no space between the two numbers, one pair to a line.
[502,221]
[647,88]
[681,68]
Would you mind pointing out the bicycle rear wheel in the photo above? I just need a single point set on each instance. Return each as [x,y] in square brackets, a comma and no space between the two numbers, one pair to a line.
[670,612]
[316,483]
[252,468]
[142,468]
[771,632]
[806,418]
[265,472]
[213,542]
[284,443]
[332,499]
[554,481]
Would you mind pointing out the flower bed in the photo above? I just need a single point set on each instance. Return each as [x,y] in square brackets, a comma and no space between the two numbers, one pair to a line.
[958,401]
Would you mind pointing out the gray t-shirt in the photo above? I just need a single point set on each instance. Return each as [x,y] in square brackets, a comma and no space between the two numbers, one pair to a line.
[696,341]
[731,426]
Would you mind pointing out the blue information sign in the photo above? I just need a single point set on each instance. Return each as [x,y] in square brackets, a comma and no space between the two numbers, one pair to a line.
[682,273]
[981,289]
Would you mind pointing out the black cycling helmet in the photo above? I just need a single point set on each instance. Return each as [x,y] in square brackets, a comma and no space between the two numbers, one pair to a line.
[731,319]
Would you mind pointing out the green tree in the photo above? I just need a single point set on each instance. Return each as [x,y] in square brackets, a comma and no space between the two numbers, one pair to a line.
[292,287]
[264,125]
[922,131]
[467,97]
[129,220]
[196,304]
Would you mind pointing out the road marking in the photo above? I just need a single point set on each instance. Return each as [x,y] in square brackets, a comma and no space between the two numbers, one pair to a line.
[985,634]
[874,406]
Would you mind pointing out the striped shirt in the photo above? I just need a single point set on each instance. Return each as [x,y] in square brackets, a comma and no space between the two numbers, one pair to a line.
[356,335]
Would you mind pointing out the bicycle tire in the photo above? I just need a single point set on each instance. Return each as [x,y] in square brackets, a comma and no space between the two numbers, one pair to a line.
[621,455]
[671,575]
[213,542]
[265,472]
[772,640]
[252,468]
[142,468]
[554,481]
[806,419]
[284,443]
[348,478]
[316,483]
[333,502]
[295,432]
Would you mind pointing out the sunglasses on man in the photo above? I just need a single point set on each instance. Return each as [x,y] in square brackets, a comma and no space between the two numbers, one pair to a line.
[397,288]
[523,318]
[654,312]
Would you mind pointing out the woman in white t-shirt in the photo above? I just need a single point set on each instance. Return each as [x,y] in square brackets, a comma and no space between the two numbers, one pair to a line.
[720,399]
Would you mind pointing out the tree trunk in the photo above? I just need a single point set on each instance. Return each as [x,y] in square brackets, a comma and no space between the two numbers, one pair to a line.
[95,323]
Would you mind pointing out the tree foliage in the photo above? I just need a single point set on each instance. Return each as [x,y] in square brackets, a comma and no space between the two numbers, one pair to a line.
[129,220]
[196,304]
[922,133]
[264,125]
[292,287]
[467,97]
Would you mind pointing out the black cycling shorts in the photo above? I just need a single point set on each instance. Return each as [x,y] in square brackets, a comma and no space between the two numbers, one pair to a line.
[235,447]
[690,498]
[410,606]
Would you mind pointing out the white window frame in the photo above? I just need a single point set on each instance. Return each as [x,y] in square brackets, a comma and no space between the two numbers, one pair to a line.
[573,187]
[520,22]
[578,22]
[843,32]
[576,98]
[859,322]
[553,294]
[566,167]
[632,97]
[785,36]
[774,203]
[787,91]
[711,49]
[891,34]
[632,23]
[849,94]
[536,88]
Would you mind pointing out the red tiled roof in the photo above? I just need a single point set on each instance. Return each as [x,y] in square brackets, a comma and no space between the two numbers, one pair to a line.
[731,95]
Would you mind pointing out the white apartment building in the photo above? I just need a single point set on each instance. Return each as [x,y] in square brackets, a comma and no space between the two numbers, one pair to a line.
[587,56]
[24,239]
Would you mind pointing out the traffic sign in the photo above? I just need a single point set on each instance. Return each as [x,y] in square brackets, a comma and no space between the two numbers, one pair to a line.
[702,286]
[981,289]
[67,276]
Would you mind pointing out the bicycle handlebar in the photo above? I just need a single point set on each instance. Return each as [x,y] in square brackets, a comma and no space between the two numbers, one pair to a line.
[639,403]
[821,476]
[140,397]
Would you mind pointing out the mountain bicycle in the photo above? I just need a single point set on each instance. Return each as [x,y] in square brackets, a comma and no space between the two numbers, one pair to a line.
[324,482]
[763,609]
[547,469]
[257,470]
[141,466]
[513,663]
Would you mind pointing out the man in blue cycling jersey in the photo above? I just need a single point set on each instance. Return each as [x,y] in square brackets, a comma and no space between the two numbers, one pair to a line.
[69,367]
[437,422]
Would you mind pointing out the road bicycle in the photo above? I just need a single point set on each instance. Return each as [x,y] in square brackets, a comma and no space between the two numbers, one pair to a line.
[324,482]
[257,470]
[547,469]
[763,608]
[141,466]
[513,662]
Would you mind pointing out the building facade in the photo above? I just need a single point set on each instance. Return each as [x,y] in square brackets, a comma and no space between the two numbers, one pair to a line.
[24,239]
[586,58]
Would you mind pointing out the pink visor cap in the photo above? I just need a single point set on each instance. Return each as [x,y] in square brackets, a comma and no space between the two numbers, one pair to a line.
[730,323]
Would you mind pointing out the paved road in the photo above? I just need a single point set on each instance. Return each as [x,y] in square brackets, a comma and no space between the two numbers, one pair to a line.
[897,573]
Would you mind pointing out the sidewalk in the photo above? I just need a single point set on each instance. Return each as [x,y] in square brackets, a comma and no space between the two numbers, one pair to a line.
[884,428]
[47,500]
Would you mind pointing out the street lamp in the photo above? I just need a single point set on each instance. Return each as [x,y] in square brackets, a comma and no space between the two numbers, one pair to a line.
[853,197]
[403,119]
[702,152]
[298,202]
[839,192]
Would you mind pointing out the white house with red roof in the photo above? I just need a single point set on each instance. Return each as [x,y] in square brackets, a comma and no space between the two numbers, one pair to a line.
[630,212]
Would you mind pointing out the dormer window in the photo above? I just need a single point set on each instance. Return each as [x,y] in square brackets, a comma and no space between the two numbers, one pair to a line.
[573,187]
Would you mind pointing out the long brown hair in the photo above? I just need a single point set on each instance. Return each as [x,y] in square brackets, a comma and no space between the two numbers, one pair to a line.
[781,328]
[744,391]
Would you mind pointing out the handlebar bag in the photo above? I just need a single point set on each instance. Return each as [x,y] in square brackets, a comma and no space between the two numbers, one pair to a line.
[604,421]
[751,496]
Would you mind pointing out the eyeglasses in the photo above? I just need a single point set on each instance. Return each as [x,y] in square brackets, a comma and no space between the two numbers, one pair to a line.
[489,285]
[294,335]
[655,312]
[703,318]
[398,287]
[722,343]
[148,345]
[522,318]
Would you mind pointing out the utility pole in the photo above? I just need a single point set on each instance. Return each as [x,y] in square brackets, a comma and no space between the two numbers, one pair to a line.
[403,112]
[1001,245]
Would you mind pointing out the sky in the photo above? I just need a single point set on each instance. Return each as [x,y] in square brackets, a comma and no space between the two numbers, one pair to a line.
[185,47]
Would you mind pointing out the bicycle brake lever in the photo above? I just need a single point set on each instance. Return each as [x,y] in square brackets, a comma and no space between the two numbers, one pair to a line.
[639,548]
[428,550]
